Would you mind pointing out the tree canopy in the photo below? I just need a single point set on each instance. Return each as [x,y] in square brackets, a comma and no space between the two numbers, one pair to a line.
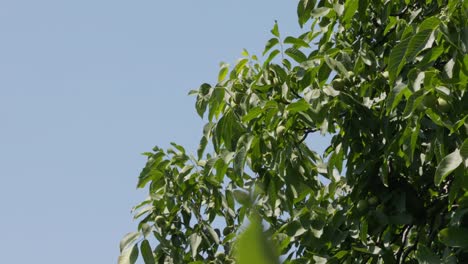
[387,80]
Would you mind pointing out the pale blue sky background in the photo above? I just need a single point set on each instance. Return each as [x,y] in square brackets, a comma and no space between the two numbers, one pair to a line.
[85,87]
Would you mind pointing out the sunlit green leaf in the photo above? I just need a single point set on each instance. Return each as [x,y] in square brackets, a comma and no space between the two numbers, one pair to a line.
[397,59]
[147,252]
[129,255]
[296,42]
[419,42]
[454,237]
[298,106]
[128,240]
[448,164]
[253,113]
[295,54]
[270,44]
[426,256]
[395,96]
[195,241]
[464,149]
[275,30]
[320,11]
[350,9]
[223,72]
[254,247]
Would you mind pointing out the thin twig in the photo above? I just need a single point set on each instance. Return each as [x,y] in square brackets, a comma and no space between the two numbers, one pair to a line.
[307,132]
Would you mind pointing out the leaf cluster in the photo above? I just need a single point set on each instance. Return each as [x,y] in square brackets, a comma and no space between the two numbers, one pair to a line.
[388,81]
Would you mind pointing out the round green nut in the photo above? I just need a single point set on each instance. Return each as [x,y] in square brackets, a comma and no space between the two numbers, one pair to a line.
[226,231]
[429,100]
[338,84]
[280,131]
[373,200]
[160,221]
[443,105]
[362,205]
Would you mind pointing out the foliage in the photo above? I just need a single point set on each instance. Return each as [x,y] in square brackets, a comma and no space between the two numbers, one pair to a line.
[387,80]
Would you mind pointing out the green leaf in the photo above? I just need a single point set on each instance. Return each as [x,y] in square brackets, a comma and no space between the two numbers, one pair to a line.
[390,25]
[296,55]
[320,12]
[229,130]
[201,147]
[213,234]
[430,23]
[339,8]
[363,233]
[350,9]
[448,164]
[426,256]
[412,103]
[270,44]
[454,237]
[419,42]
[304,9]
[223,72]
[129,256]
[271,56]
[275,30]
[253,113]
[146,229]
[397,59]
[147,252]
[241,197]
[128,239]
[178,147]
[253,246]
[395,96]
[296,42]
[464,149]
[240,65]
[384,174]
[432,54]
[336,66]
[239,161]
[319,260]
[298,106]
[195,241]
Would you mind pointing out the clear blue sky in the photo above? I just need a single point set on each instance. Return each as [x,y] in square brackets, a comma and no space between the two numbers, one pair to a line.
[85,87]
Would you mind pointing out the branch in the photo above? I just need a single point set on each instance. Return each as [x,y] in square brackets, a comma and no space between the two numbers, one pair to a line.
[307,132]
[404,239]
[408,251]
[296,94]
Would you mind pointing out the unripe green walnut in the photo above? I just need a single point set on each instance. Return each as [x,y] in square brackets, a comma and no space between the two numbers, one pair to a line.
[429,100]
[362,205]
[338,84]
[160,220]
[373,200]
[443,105]
[280,131]
[226,231]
